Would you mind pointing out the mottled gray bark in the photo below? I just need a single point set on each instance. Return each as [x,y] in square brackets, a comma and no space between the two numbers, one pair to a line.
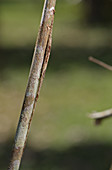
[37,71]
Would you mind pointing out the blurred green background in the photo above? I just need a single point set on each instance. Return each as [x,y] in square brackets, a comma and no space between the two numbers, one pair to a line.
[62,137]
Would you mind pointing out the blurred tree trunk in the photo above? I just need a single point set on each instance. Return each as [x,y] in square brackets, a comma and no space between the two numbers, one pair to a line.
[98,11]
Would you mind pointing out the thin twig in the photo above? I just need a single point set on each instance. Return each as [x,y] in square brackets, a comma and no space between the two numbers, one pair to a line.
[99,116]
[94,60]
[37,71]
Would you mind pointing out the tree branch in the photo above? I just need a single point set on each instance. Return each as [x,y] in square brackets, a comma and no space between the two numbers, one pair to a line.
[37,71]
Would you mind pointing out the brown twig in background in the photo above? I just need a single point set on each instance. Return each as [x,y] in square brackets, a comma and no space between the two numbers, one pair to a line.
[94,60]
[37,71]
[99,116]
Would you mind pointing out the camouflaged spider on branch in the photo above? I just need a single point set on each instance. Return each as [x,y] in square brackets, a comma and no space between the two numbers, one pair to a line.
[36,76]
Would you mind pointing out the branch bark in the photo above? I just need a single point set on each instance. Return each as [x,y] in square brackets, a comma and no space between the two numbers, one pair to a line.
[37,71]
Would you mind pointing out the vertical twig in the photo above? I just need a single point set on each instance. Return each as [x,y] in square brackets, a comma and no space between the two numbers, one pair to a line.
[37,71]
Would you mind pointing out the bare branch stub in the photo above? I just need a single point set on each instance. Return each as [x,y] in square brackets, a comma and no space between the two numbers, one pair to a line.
[99,116]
